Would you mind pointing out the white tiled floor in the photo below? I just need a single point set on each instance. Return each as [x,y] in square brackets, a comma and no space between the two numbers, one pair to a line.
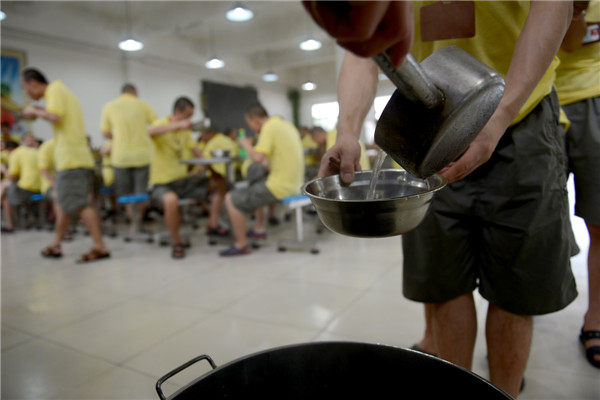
[109,330]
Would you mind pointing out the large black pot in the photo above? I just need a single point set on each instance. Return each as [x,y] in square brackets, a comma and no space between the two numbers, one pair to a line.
[335,370]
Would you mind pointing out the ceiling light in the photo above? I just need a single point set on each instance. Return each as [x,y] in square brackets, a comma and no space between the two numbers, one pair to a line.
[239,13]
[309,86]
[130,45]
[214,63]
[2,16]
[310,44]
[270,76]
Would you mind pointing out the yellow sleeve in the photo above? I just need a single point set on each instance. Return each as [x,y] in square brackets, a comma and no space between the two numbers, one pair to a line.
[14,164]
[55,102]
[265,142]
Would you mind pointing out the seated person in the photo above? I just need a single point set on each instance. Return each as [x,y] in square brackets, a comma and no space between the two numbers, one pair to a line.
[279,145]
[311,153]
[108,176]
[217,172]
[6,149]
[169,178]
[25,174]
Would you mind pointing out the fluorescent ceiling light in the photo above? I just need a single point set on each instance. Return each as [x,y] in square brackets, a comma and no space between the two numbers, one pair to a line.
[308,86]
[214,63]
[239,13]
[130,45]
[2,16]
[310,44]
[270,76]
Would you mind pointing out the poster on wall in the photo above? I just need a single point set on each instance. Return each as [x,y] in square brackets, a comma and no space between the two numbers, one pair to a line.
[13,95]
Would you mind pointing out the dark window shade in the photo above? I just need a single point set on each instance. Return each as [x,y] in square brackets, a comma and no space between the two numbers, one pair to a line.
[225,104]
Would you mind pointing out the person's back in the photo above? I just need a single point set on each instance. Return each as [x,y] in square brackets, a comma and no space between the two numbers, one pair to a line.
[24,164]
[280,141]
[127,119]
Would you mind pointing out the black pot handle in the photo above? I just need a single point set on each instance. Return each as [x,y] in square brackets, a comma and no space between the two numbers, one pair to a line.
[177,370]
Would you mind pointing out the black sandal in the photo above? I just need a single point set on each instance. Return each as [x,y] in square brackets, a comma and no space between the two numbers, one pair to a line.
[591,351]
[52,252]
[178,251]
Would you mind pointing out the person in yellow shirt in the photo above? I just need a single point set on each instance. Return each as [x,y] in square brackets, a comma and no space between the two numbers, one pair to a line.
[215,143]
[278,145]
[48,173]
[311,153]
[73,160]
[125,121]
[6,182]
[501,225]
[578,86]
[169,178]
[25,174]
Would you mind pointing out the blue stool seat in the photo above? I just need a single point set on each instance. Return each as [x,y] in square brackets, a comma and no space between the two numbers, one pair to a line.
[297,203]
[133,198]
[36,197]
[106,191]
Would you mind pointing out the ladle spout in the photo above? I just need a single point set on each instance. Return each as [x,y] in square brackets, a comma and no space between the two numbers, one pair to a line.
[411,80]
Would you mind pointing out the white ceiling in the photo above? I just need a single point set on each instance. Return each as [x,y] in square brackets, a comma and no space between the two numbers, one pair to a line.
[185,34]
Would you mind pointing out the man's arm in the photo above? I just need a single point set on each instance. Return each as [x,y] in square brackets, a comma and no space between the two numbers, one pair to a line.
[255,156]
[46,173]
[37,111]
[171,126]
[357,87]
[536,47]
[573,39]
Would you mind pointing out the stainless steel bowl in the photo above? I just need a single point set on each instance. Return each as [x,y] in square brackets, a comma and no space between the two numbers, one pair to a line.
[220,153]
[400,203]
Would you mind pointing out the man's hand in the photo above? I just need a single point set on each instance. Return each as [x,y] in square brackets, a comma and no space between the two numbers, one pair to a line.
[367,28]
[342,158]
[480,150]
[246,143]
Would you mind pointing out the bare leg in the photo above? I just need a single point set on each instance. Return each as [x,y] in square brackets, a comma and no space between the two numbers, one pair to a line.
[592,317]
[455,329]
[171,213]
[61,225]
[427,342]
[508,341]
[8,215]
[238,223]
[259,220]
[92,222]
[216,202]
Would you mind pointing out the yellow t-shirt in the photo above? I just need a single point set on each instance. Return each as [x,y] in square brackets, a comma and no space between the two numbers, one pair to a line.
[279,140]
[167,151]
[46,161]
[220,142]
[127,118]
[309,143]
[108,173]
[364,162]
[71,149]
[497,28]
[23,162]
[578,75]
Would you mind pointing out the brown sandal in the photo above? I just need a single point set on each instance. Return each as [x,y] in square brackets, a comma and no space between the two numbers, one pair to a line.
[92,255]
[178,251]
[52,252]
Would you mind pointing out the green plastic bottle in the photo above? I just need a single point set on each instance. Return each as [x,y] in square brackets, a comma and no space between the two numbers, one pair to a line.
[242,134]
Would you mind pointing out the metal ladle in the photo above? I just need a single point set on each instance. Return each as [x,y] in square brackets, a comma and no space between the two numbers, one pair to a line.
[439,107]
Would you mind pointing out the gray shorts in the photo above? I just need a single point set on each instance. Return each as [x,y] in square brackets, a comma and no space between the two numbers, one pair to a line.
[189,188]
[73,187]
[504,229]
[131,180]
[17,196]
[583,151]
[250,198]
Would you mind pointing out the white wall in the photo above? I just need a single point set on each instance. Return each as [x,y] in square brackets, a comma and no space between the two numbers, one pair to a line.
[97,76]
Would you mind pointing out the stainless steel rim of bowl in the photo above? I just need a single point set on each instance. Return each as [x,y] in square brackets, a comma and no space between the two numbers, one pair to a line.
[440,184]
